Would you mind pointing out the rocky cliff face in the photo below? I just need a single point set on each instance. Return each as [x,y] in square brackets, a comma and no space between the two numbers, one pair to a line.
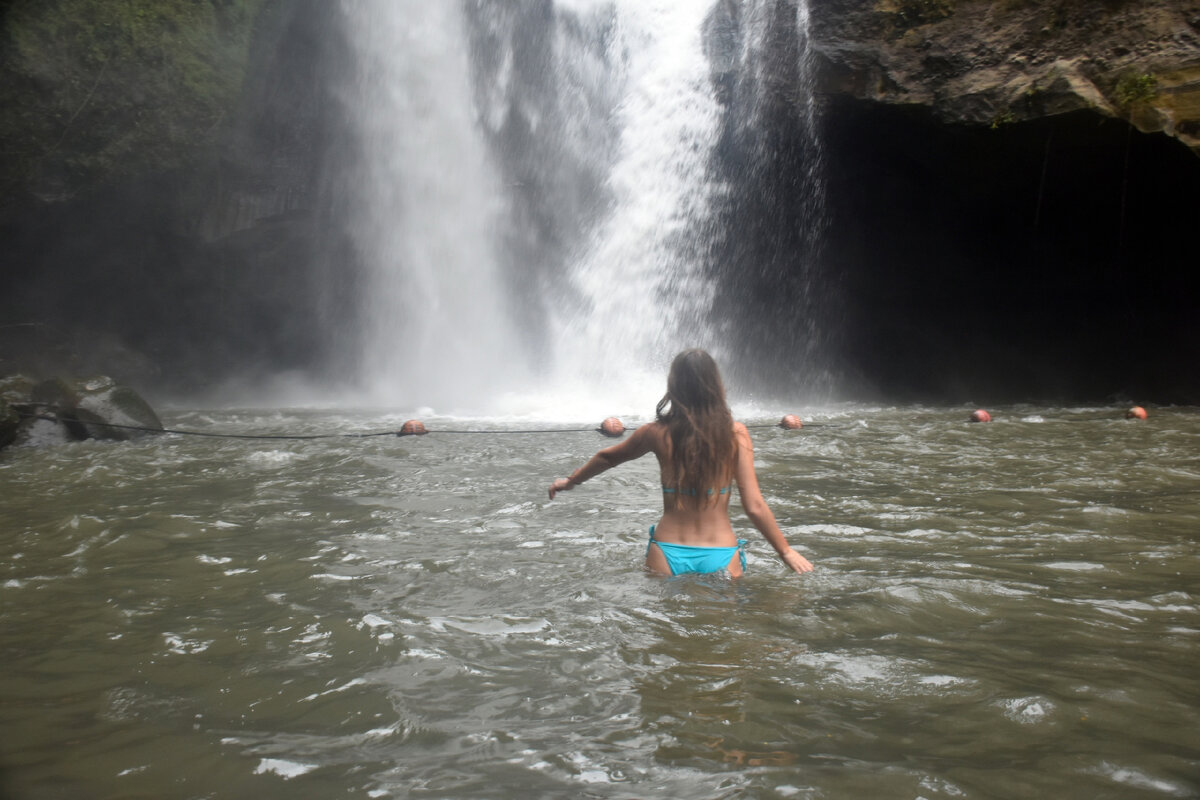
[996,63]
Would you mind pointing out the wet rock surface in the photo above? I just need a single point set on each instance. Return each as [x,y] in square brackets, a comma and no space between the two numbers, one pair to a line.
[994,63]
[56,410]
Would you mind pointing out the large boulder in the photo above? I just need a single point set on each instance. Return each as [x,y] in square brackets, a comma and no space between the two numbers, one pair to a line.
[57,410]
[103,404]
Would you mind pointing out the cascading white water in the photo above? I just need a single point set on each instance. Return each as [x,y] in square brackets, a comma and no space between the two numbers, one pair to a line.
[437,326]
[643,290]
[778,189]
[632,285]
[814,164]
[759,16]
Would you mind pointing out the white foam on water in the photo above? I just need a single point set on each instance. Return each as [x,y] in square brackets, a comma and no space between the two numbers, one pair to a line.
[1027,710]
[489,626]
[270,458]
[283,768]
[1074,566]
[1133,777]
[183,646]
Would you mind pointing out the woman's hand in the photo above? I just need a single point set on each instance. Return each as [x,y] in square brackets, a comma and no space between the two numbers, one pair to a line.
[797,562]
[563,485]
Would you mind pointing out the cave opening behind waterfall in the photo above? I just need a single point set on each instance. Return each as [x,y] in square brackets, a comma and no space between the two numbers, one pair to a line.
[1051,260]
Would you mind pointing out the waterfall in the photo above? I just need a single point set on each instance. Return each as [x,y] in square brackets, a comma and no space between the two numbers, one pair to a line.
[818,344]
[437,328]
[814,164]
[774,319]
[641,286]
[533,199]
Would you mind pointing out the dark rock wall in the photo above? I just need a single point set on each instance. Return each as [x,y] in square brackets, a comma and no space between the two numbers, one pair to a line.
[981,61]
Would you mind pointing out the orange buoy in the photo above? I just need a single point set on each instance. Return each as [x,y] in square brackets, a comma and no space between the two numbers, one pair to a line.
[979,415]
[612,427]
[1137,412]
[791,422]
[413,427]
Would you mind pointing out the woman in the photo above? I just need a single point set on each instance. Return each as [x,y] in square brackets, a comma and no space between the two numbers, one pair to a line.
[701,453]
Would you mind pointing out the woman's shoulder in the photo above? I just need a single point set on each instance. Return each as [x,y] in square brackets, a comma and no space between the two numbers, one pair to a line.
[653,426]
[741,434]
[652,435]
[653,430]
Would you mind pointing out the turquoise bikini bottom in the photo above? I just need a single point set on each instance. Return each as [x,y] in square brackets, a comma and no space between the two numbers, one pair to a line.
[684,558]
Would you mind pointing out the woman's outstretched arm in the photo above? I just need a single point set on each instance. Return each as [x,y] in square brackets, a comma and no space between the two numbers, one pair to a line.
[640,442]
[756,507]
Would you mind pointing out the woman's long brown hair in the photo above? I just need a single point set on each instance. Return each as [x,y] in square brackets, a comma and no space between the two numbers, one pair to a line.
[700,427]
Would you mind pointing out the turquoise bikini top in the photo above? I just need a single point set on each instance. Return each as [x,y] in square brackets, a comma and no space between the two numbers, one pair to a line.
[694,492]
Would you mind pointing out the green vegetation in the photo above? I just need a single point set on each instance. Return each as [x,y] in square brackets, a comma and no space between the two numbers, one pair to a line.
[97,88]
[1134,88]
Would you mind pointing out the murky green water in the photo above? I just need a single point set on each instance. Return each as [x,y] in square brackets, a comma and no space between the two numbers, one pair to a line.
[999,611]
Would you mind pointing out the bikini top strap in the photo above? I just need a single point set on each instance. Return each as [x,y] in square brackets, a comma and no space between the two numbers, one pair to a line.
[693,492]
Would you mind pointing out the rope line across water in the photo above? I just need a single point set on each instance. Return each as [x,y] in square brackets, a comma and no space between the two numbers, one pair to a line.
[314,436]
[211,434]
